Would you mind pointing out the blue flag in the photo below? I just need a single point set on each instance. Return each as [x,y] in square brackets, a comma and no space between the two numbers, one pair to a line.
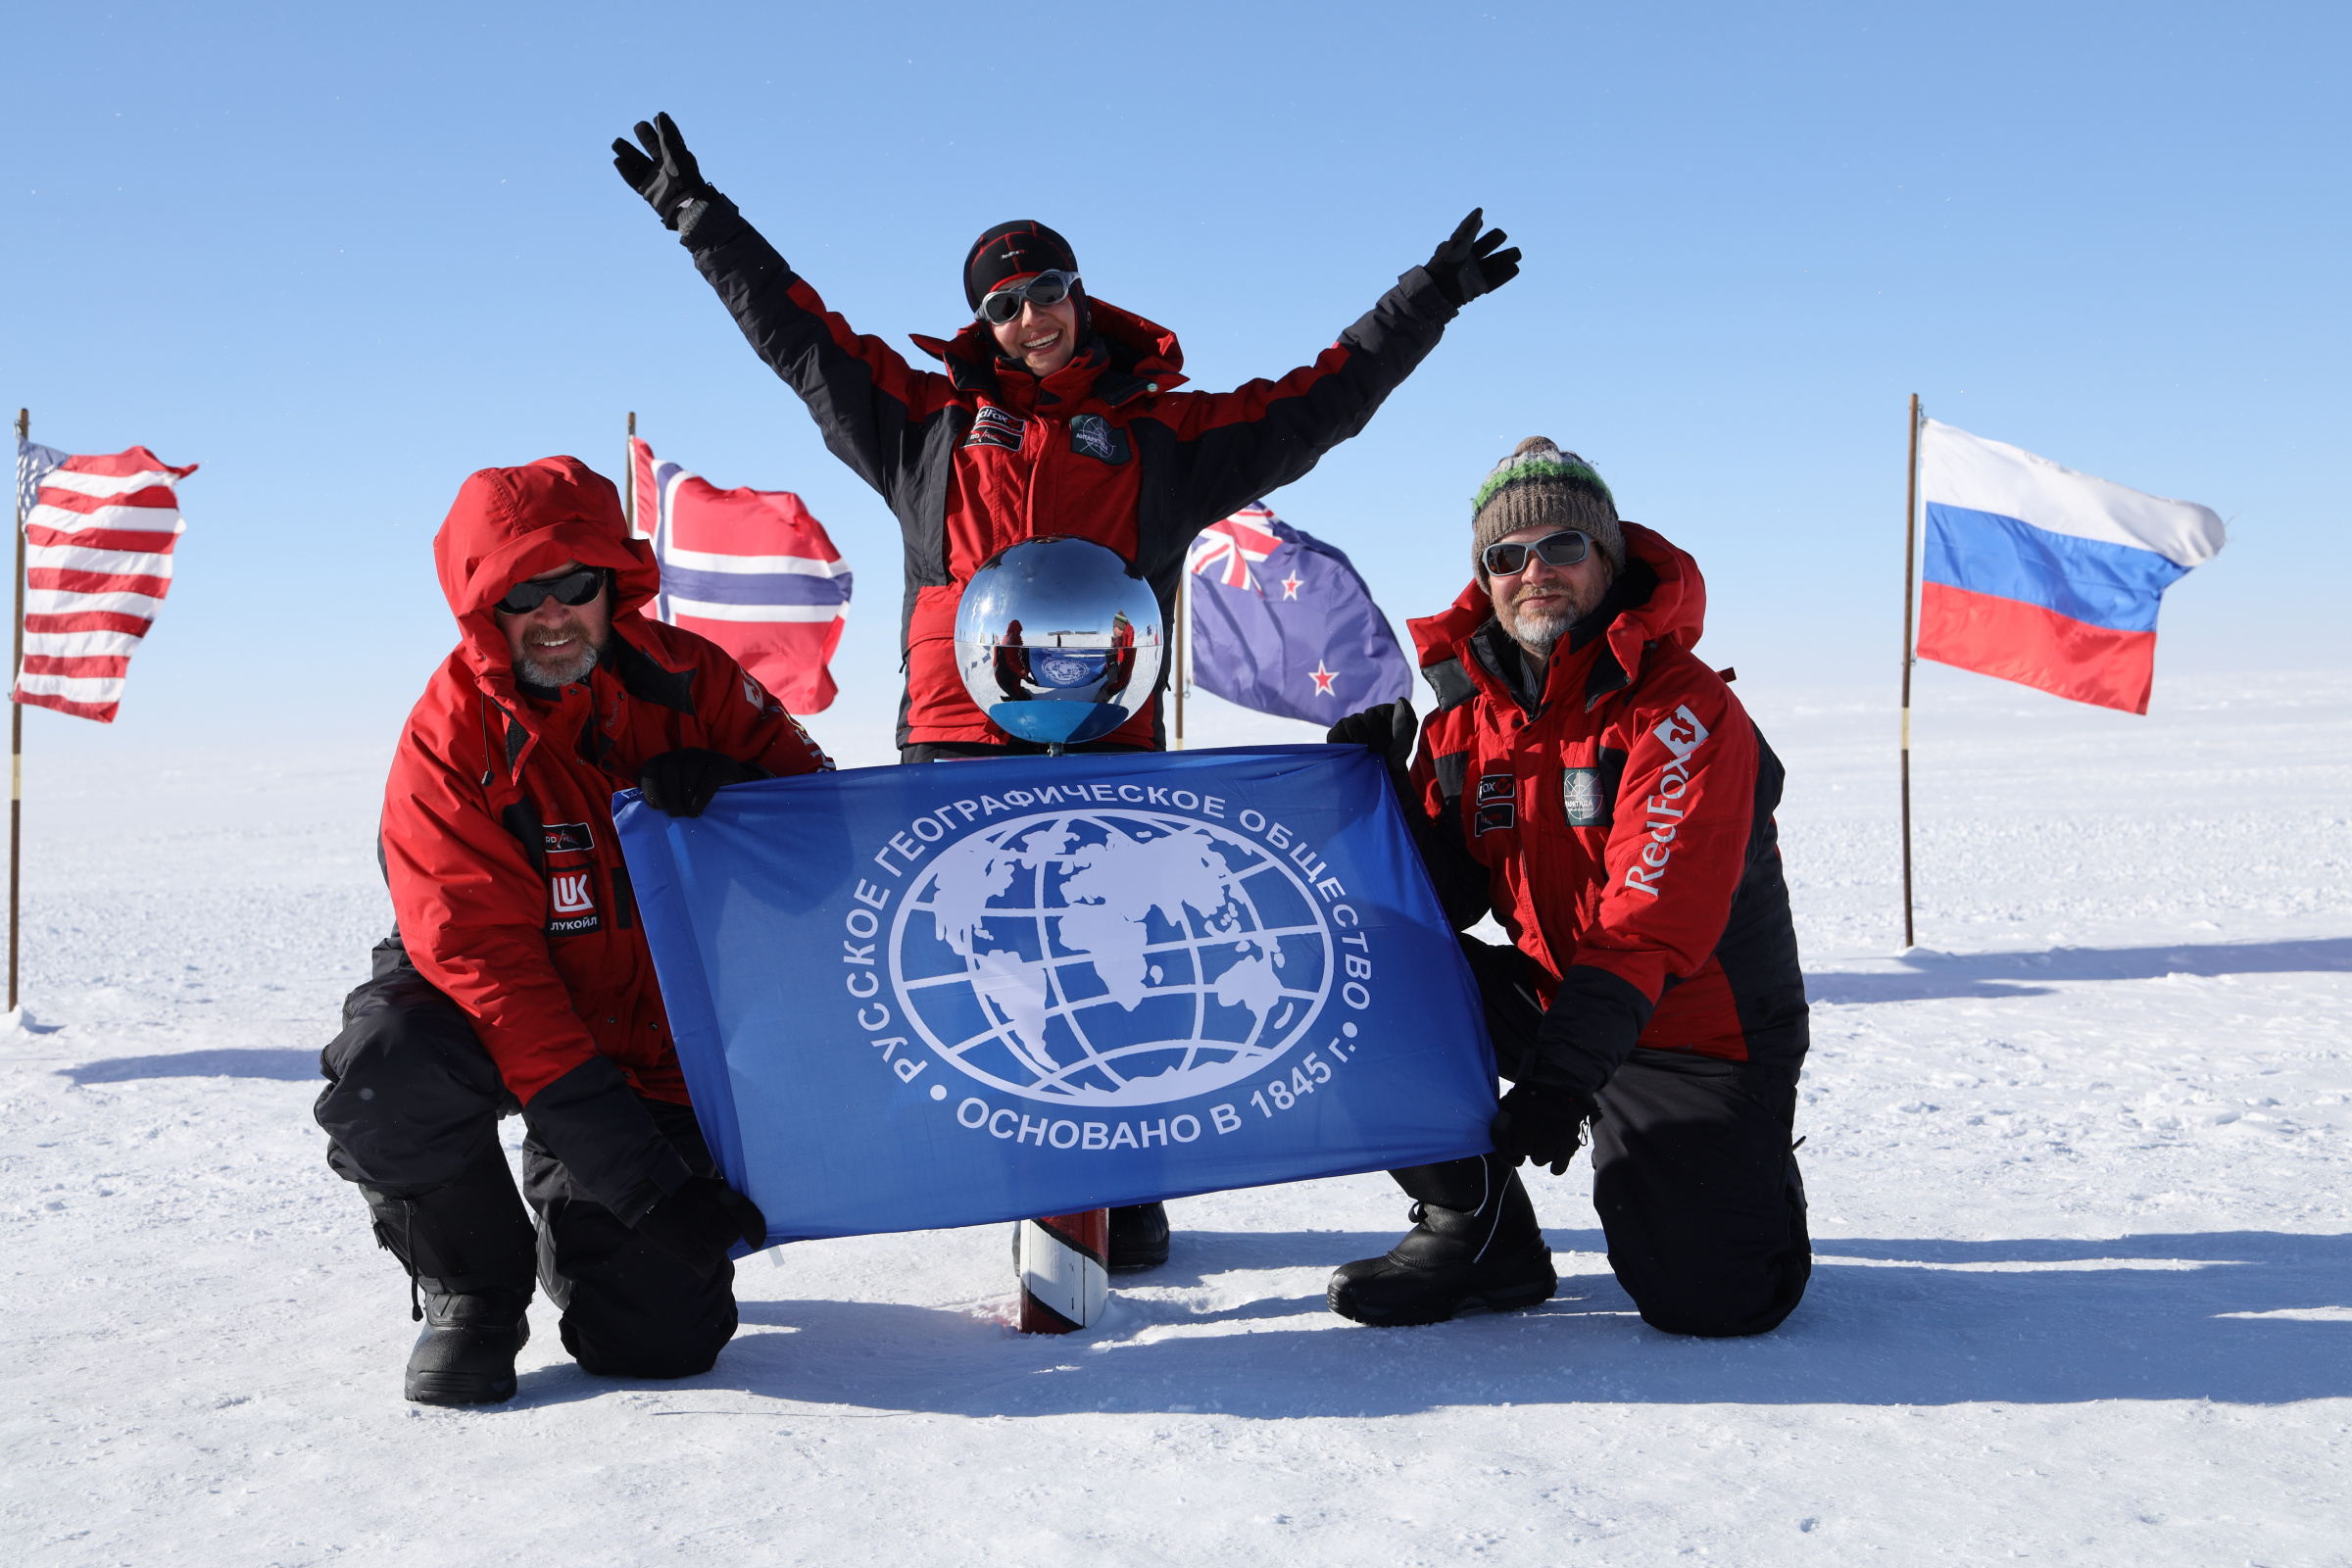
[1282,623]
[917,997]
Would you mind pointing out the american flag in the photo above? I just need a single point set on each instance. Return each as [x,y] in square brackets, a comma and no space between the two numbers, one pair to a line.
[750,570]
[99,533]
[1231,547]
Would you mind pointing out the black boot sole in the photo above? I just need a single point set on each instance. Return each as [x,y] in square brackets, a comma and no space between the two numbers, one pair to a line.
[457,1388]
[1497,1299]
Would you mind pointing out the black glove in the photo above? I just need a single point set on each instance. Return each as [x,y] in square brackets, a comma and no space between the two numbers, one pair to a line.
[1465,266]
[1541,1122]
[682,782]
[1390,730]
[670,178]
[699,1222]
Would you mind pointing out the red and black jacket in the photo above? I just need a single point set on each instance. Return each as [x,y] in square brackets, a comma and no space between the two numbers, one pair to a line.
[507,881]
[981,454]
[1618,824]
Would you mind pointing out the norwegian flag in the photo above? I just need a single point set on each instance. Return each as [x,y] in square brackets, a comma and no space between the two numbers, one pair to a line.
[750,570]
[98,533]
[1231,547]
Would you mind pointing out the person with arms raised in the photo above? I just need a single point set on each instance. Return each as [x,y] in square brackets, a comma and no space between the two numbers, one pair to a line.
[1052,411]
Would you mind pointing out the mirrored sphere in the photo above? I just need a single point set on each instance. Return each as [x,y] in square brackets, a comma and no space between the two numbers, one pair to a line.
[1058,641]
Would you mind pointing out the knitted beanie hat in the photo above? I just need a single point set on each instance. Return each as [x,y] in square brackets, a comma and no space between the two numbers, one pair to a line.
[1540,484]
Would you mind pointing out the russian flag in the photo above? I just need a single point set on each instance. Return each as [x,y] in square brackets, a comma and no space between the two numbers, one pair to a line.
[2045,576]
[751,571]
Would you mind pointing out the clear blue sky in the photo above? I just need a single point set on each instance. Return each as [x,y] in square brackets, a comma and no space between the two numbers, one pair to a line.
[342,259]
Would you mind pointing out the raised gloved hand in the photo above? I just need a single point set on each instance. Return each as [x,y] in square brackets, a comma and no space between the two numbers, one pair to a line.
[1389,729]
[699,1222]
[669,179]
[1468,264]
[1541,1122]
[682,782]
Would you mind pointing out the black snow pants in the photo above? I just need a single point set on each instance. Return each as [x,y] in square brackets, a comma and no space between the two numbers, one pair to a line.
[1693,1171]
[411,1112]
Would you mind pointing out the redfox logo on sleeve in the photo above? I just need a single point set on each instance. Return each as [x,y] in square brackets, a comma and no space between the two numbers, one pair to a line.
[1681,735]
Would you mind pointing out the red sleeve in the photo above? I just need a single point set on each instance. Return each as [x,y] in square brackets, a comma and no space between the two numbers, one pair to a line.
[1679,848]
[747,722]
[472,915]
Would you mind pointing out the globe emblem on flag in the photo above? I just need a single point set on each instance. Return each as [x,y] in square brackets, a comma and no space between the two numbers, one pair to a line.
[1111,957]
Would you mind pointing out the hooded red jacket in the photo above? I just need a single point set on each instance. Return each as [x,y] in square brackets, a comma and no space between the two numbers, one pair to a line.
[981,454]
[509,889]
[1620,828]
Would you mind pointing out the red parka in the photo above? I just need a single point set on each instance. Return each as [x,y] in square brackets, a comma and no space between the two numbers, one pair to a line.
[979,453]
[509,889]
[1620,828]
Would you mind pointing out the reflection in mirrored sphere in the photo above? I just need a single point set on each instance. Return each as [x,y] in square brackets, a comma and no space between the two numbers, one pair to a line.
[1058,641]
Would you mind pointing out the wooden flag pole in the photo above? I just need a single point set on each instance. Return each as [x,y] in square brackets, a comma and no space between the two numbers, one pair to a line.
[1910,553]
[16,718]
[628,477]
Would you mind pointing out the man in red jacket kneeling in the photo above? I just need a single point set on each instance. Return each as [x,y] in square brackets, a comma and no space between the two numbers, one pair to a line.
[1601,792]
[518,978]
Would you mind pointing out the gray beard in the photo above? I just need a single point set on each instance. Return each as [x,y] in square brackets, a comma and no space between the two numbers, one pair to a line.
[1539,633]
[539,672]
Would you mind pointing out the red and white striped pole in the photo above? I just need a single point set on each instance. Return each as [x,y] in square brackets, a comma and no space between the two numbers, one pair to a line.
[1063,1263]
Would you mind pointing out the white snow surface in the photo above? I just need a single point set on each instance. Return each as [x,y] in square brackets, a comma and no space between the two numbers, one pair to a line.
[2078,1166]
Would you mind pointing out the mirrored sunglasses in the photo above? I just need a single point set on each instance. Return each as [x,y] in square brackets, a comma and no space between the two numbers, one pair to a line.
[572,588]
[1046,288]
[1563,549]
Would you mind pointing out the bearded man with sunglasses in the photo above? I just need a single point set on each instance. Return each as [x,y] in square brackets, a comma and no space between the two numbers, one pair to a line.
[519,980]
[1599,791]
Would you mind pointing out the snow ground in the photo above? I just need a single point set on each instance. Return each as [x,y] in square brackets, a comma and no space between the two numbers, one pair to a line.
[2077,1165]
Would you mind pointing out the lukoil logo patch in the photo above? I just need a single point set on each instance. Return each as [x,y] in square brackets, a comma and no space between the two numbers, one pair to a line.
[571,895]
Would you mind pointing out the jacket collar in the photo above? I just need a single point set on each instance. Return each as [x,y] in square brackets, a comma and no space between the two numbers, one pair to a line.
[1127,358]
[525,711]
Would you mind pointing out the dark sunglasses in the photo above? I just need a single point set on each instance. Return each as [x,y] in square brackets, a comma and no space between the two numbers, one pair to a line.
[1046,288]
[1563,549]
[572,588]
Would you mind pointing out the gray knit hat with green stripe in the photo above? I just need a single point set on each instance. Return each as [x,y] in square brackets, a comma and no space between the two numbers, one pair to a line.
[1540,484]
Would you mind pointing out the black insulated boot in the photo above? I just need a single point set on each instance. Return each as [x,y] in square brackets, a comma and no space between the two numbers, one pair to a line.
[1475,1247]
[1138,1237]
[470,1255]
[466,1355]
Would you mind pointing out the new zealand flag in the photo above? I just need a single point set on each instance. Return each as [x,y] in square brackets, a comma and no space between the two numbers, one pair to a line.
[1282,623]
[919,997]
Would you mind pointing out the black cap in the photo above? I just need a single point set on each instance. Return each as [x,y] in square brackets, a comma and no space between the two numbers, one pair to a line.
[1012,251]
